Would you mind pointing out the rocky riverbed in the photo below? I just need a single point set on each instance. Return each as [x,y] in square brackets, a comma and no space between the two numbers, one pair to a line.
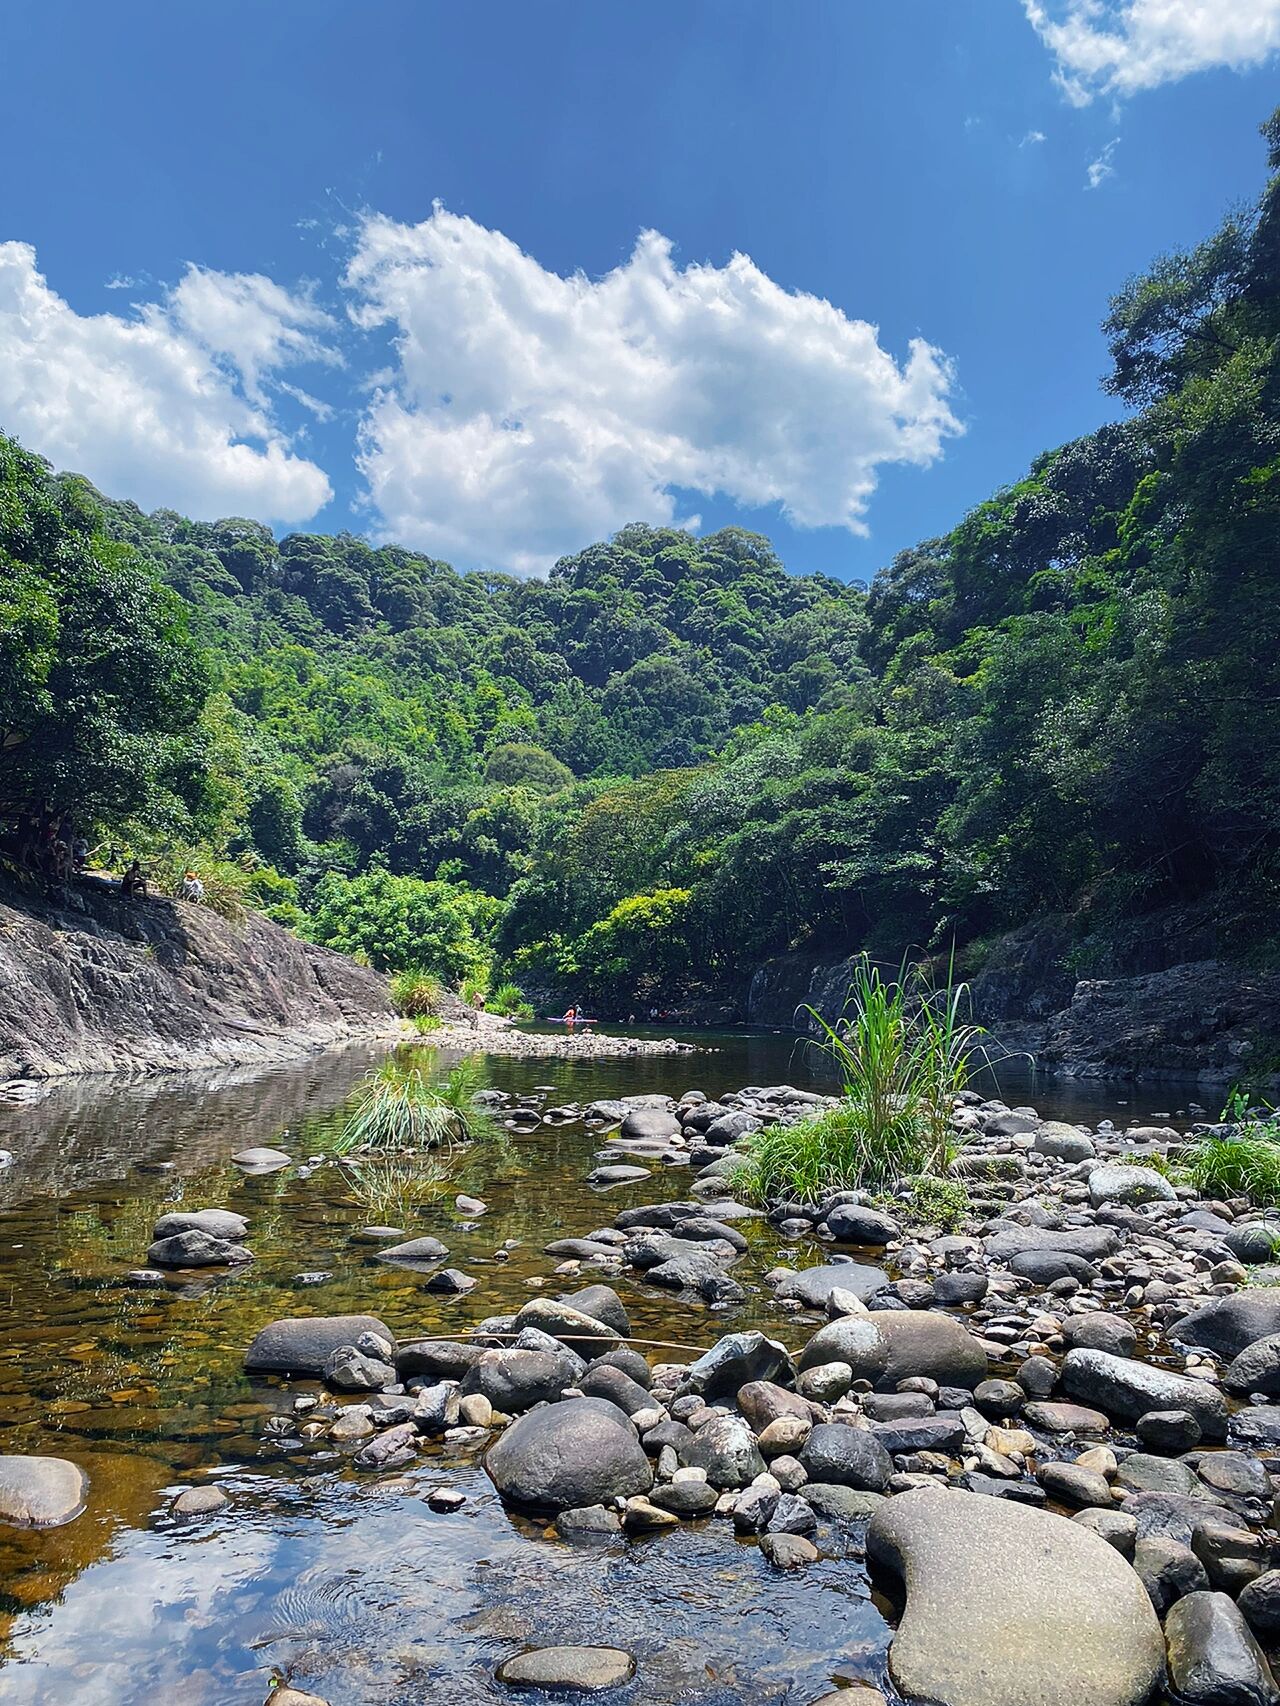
[1046,1434]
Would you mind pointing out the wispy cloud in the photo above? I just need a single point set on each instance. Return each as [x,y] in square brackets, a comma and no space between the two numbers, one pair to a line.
[1101,169]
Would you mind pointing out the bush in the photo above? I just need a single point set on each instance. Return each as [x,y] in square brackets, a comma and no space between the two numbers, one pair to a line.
[406,1107]
[930,1201]
[904,1055]
[401,922]
[417,994]
[508,1000]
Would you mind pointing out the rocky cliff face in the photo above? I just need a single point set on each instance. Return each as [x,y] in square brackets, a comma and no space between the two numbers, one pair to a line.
[1167,1008]
[102,984]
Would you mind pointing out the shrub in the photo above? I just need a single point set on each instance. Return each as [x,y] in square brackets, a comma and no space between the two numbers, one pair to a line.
[417,994]
[930,1201]
[508,1000]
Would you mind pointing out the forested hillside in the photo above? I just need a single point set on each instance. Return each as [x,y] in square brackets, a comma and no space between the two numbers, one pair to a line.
[671,758]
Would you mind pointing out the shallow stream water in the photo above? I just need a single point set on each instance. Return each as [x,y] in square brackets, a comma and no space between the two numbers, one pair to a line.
[353,1587]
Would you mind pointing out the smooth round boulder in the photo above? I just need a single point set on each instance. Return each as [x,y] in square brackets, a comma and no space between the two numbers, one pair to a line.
[217,1222]
[813,1286]
[1127,1389]
[1128,1186]
[1228,1325]
[262,1160]
[195,1249]
[303,1344]
[854,1340]
[566,1455]
[41,1492]
[854,1223]
[413,1253]
[1256,1369]
[1043,1267]
[571,1326]
[568,1670]
[1098,1330]
[924,1342]
[726,1448]
[1062,1142]
[1011,1606]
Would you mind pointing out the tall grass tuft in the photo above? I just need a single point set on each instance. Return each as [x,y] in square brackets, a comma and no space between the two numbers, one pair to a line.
[417,994]
[1246,1164]
[405,1107]
[904,1052]
[508,1000]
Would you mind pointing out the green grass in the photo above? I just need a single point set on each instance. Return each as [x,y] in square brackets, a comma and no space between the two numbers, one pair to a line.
[508,1000]
[425,1023]
[392,1187]
[417,994]
[904,1052]
[1245,1165]
[407,1107]
[931,1201]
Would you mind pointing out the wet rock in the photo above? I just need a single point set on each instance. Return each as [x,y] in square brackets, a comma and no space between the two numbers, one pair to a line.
[470,1206]
[440,1359]
[347,1370]
[846,1457]
[196,1249]
[303,1344]
[605,1381]
[199,1501]
[726,1448]
[734,1361]
[1229,1325]
[650,1124]
[1071,1484]
[1213,1659]
[813,1286]
[514,1380]
[451,1281]
[1168,1569]
[854,1223]
[353,1425]
[217,1222]
[850,1505]
[1128,1389]
[283,1695]
[393,1448]
[788,1551]
[943,1433]
[1128,1186]
[1113,1526]
[588,1522]
[568,1670]
[1259,1604]
[616,1175]
[413,1253]
[1068,1621]
[41,1492]
[764,1402]
[686,1499]
[568,1455]
[262,1160]
[1058,1418]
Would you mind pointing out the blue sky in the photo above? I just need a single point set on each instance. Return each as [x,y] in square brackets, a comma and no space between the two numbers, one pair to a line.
[225,285]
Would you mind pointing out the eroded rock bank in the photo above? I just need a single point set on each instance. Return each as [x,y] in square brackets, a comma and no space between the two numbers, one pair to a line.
[98,983]
[1169,1006]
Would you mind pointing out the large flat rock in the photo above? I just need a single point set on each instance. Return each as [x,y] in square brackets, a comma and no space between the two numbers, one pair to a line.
[1008,1606]
[303,1344]
[41,1492]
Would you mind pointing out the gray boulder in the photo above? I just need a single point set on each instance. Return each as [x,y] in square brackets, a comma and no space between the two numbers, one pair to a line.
[854,1340]
[1127,1187]
[727,1450]
[196,1249]
[1043,1267]
[852,1223]
[568,1670]
[1099,1330]
[1253,1241]
[842,1456]
[924,1342]
[572,1326]
[41,1492]
[1213,1659]
[302,1345]
[1091,1243]
[650,1124]
[1126,1390]
[349,1370]
[514,1380]
[1257,1368]
[217,1222]
[1010,1606]
[736,1360]
[1228,1324]
[413,1253]
[568,1455]
[813,1286]
[601,1303]
[1063,1142]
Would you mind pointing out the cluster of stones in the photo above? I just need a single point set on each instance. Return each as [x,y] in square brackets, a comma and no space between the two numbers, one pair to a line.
[1069,1399]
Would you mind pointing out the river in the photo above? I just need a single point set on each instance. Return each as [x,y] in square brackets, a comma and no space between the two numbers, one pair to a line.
[350,1585]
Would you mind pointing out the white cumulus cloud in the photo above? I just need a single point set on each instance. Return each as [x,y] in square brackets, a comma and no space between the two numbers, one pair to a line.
[165,407]
[527,412]
[1119,47]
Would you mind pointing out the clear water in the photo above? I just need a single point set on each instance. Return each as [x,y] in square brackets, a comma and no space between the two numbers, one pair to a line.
[352,1585]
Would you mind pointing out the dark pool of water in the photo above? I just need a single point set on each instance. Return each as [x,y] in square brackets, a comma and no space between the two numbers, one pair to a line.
[354,1587]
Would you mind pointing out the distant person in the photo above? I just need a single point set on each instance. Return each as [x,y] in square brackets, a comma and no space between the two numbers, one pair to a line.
[133,884]
[191,888]
[79,854]
[478,1001]
[571,1016]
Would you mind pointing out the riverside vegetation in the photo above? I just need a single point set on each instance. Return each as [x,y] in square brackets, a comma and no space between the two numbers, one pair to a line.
[631,781]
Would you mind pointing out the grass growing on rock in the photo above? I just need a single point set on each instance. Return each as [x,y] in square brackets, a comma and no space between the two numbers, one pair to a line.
[904,1052]
[930,1201]
[417,994]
